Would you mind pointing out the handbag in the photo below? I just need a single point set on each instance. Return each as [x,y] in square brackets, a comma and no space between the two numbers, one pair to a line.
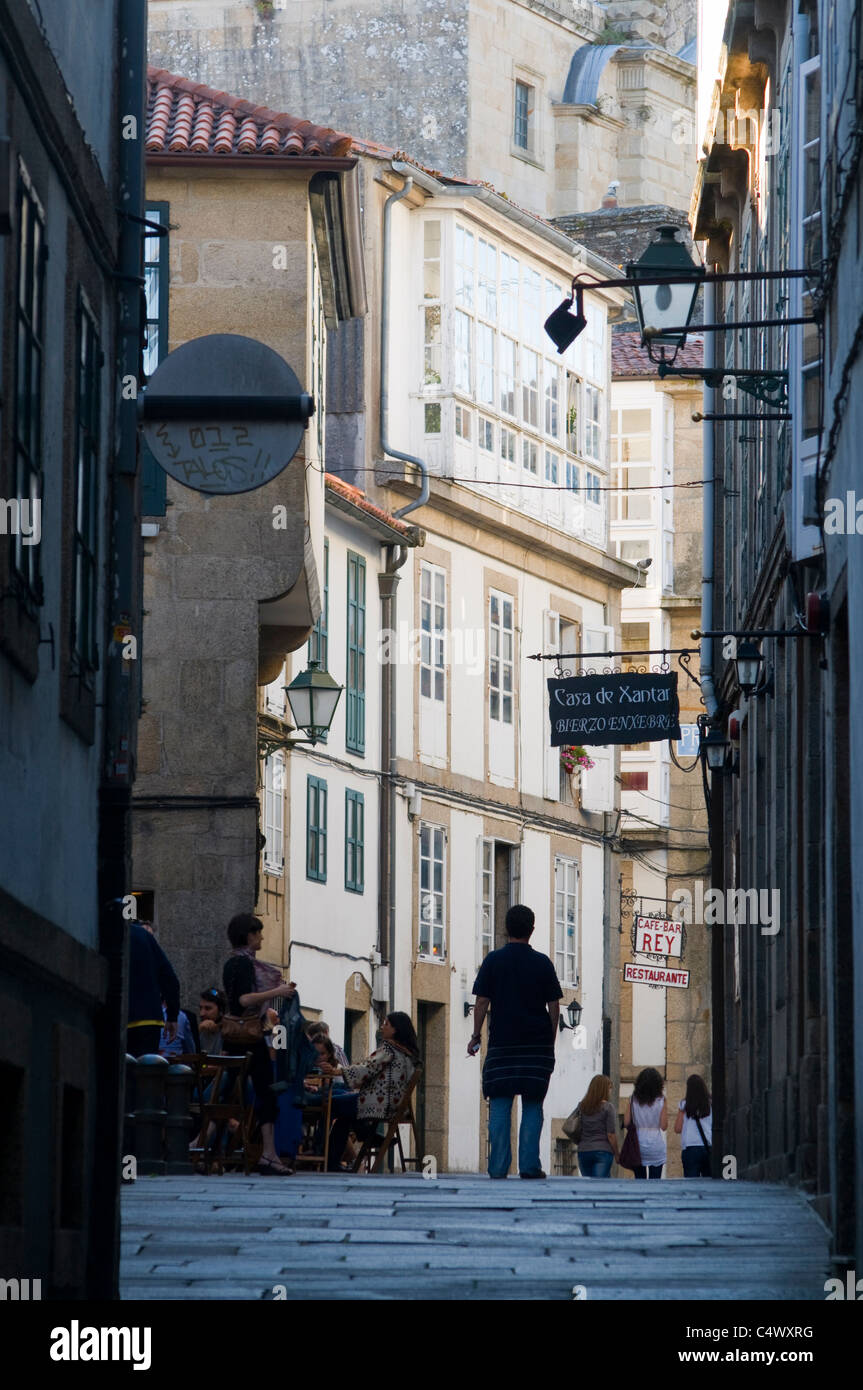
[242,1031]
[572,1125]
[630,1150]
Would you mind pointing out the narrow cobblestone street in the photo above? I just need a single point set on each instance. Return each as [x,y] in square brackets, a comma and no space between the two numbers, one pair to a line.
[462,1237]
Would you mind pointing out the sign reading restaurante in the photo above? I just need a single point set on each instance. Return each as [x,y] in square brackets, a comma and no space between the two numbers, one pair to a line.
[656,975]
[602,709]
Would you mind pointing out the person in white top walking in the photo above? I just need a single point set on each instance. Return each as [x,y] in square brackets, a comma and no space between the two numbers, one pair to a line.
[649,1113]
[694,1123]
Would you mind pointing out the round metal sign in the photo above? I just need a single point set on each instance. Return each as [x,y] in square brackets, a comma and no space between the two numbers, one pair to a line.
[224,414]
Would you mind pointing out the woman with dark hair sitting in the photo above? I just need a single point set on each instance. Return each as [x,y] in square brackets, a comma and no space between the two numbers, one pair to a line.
[376,1085]
[694,1123]
[251,984]
[648,1111]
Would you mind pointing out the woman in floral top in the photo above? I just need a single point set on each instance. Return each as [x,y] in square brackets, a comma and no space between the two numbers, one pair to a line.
[376,1085]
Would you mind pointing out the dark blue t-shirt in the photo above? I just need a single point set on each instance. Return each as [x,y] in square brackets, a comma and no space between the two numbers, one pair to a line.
[519,982]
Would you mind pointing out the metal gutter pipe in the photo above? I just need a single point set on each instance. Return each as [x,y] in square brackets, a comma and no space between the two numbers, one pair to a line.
[708,513]
[121,680]
[386,447]
[388,583]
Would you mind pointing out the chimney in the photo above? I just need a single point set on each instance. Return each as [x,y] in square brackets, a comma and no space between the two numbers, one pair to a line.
[610,199]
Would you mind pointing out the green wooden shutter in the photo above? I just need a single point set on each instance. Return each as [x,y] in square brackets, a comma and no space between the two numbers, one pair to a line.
[355,739]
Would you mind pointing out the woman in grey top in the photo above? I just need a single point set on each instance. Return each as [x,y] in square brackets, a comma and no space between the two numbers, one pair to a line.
[597,1147]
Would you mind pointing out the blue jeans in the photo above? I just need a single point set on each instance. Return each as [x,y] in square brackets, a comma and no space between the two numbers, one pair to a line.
[595,1163]
[696,1161]
[529,1130]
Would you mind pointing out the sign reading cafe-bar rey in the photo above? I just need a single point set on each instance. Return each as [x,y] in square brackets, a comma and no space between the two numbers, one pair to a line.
[613,709]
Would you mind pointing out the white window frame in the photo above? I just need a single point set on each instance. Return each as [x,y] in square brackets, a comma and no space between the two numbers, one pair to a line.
[567,884]
[433,635]
[497,633]
[274,814]
[432,902]
[484,898]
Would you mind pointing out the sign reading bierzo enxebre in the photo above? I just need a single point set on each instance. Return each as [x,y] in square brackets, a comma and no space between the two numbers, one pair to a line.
[602,709]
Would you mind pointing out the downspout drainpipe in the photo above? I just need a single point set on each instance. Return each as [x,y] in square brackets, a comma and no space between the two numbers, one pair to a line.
[716,814]
[707,498]
[388,582]
[121,688]
[386,447]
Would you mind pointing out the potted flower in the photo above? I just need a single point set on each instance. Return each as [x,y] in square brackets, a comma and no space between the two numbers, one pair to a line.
[574,757]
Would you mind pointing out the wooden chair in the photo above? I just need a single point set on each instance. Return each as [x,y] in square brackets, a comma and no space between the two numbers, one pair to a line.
[241,1145]
[315,1116]
[380,1146]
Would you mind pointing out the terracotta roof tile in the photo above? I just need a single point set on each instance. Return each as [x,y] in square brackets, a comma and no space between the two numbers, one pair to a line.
[185,117]
[629,358]
[356,496]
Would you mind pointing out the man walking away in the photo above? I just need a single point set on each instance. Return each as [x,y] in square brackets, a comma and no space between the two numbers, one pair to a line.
[151,979]
[522,989]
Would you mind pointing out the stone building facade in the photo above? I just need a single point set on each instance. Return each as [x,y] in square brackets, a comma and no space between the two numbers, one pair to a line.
[231,583]
[786,811]
[70,559]
[547,100]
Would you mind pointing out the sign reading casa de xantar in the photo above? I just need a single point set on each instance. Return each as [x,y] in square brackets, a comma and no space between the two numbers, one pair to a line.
[613,709]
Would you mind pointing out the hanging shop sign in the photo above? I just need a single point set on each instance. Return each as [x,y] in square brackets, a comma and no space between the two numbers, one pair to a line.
[661,975]
[602,709]
[224,414]
[659,936]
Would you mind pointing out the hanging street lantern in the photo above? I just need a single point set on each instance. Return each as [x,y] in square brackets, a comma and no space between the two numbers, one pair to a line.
[714,749]
[665,306]
[748,663]
[313,696]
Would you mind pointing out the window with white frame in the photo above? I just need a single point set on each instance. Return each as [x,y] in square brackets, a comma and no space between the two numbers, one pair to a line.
[529,456]
[486,898]
[592,422]
[566,920]
[463,351]
[501,648]
[531,305]
[530,387]
[462,422]
[573,411]
[274,814]
[485,363]
[632,466]
[432,632]
[487,270]
[507,445]
[508,375]
[464,267]
[592,488]
[510,274]
[552,467]
[432,892]
[485,435]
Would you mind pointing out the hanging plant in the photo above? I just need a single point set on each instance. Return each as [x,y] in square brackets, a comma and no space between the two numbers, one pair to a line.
[573,757]
[265,8]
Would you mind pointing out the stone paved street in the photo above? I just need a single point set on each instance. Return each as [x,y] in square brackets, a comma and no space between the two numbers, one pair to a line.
[463,1237]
